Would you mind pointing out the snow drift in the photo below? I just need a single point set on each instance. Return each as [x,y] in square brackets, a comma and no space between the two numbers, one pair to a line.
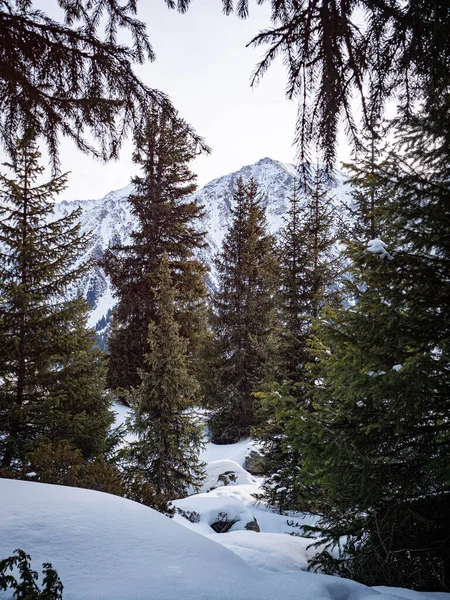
[108,548]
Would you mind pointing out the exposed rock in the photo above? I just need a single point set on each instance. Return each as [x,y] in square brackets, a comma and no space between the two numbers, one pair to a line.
[253,526]
[223,524]
[254,463]
[227,477]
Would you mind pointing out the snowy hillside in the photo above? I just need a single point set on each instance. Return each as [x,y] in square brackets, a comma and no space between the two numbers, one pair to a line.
[109,220]
[108,548]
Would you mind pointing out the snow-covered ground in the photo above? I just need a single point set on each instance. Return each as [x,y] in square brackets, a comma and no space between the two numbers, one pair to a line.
[108,548]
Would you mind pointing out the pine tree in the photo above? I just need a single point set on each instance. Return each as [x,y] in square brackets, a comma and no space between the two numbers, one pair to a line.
[244,316]
[166,451]
[309,280]
[167,225]
[377,431]
[51,377]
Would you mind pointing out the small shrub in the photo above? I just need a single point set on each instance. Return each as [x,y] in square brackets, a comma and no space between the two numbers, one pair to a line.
[62,465]
[190,515]
[27,588]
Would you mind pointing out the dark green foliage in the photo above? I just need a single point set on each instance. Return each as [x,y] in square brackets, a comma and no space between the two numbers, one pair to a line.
[376,433]
[243,316]
[309,273]
[166,452]
[60,464]
[368,197]
[168,225]
[370,50]
[27,587]
[51,377]
[294,298]
[282,459]
[69,79]
[309,280]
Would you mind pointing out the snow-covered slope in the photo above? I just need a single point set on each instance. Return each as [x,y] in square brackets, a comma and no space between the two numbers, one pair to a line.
[109,219]
[108,548]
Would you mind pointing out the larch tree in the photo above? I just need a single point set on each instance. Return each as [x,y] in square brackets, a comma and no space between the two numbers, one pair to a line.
[51,376]
[168,225]
[165,453]
[74,78]
[243,316]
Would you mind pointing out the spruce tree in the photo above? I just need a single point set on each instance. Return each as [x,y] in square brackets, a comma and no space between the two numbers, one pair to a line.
[400,52]
[243,316]
[168,437]
[167,225]
[376,433]
[294,297]
[310,267]
[51,376]
[363,213]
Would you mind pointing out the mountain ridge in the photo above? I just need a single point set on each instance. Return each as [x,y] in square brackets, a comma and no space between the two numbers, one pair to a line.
[109,220]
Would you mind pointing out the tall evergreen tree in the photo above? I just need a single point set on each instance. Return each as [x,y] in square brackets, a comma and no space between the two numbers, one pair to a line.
[166,451]
[364,213]
[376,434]
[51,377]
[167,225]
[294,297]
[309,281]
[244,315]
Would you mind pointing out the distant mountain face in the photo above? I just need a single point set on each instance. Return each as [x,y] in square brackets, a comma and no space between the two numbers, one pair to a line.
[109,220]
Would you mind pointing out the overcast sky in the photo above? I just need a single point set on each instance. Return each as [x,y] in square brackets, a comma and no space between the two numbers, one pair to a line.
[203,65]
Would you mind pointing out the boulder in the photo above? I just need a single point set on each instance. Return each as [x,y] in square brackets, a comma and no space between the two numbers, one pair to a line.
[253,526]
[254,463]
[227,478]
[224,523]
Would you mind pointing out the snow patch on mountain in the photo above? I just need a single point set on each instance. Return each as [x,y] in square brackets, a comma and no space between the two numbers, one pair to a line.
[109,220]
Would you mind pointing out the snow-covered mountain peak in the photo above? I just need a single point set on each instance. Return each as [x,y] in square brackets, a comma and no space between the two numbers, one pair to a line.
[109,220]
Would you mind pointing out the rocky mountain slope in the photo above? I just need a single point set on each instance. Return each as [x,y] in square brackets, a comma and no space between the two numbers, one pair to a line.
[110,221]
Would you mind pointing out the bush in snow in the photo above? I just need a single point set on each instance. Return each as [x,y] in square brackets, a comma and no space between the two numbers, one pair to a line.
[63,465]
[27,588]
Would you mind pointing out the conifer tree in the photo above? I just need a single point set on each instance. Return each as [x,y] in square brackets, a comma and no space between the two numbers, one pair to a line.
[363,213]
[376,434]
[310,269]
[73,77]
[400,51]
[309,281]
[167,225]
[51,377]
[294,297]
[166,451]
[243,316]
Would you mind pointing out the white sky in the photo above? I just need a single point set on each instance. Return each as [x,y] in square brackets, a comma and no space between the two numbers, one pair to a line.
[203,65]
